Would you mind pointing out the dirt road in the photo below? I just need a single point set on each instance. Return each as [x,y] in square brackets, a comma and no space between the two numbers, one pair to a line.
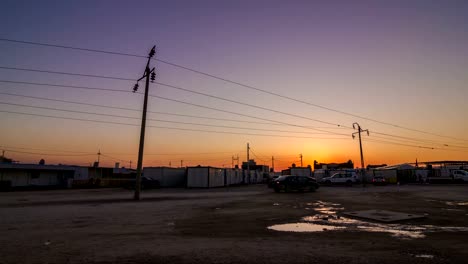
[230,225]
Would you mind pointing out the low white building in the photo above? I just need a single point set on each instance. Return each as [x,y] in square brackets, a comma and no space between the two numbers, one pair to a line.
[232,176]
[167,176]
[35,175]
[205,177]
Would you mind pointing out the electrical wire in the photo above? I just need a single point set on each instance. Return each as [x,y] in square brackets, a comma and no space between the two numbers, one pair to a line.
[156,120]
[233,82]
[47,154]
[49,150]
[386,134]
[132,109]
[175,87]
[161,127]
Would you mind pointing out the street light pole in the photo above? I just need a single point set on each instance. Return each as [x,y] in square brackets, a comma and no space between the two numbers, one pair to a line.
[146,75]
[358,127]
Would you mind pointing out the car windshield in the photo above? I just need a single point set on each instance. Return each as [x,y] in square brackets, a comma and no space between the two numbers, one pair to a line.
[281,178]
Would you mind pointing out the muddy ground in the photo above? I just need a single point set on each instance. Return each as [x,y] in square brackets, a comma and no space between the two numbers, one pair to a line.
[229,225]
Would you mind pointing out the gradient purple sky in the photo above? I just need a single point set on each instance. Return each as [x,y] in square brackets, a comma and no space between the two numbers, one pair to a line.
[402,62]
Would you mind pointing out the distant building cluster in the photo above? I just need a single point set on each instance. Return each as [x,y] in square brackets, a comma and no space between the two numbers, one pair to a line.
[23,176]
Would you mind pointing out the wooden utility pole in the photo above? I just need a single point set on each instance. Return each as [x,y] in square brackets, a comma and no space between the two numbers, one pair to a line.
[248,163]
[360,130]
[146,75]
[273,163]
[300,155]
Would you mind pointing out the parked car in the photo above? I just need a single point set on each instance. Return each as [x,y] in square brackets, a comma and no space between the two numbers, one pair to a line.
[460,175]
[379,180]
[146,183]
[288,183]
[347,178]
[272,181]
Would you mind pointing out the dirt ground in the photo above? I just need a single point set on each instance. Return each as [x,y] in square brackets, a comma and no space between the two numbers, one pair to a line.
[227,225]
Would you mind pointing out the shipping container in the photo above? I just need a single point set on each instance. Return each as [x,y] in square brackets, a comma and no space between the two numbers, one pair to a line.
[167,176]
[232,177]
[205,177]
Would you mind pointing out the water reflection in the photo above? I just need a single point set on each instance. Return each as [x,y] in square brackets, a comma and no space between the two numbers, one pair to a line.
[328,219]
[304,227]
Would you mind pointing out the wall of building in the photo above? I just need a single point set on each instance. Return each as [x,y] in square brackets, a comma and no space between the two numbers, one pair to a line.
[167,177]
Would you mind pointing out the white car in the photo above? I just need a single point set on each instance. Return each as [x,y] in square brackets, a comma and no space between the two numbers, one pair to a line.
[347,178]
[460,175]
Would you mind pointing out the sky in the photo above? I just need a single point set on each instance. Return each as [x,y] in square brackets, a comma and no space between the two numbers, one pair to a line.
[398,68]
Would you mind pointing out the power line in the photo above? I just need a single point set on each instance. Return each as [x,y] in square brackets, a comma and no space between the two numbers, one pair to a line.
[244,115]
[116,159]
[161,127]
[232,82]
[174,87]
[130,109]
[90,153]
[67,73]
[179,88]
[41,149]
[413,146]
[246,104]
[47,154]
[257,156]
[239,114]
[104,89]
[73,48]
[224,132]
[67,86]
[155,120]
[125,108]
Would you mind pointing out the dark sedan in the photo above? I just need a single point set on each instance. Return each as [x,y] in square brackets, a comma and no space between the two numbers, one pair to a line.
[379,181]
[289,183]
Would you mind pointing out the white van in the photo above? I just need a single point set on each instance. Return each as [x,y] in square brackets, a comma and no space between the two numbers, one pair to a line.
[460,175]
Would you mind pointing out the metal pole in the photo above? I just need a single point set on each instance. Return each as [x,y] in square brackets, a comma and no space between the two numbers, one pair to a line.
[301,159]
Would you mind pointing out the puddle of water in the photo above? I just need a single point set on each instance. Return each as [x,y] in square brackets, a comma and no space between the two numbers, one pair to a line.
[399,233]
[451,203]
[328,220]
[276,204]
[451,209]
[304,227]
[328,210]
[424,256]
[431,228]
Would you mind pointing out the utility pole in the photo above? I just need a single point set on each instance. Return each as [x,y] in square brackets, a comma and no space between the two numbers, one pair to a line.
[130,164]
[146,75]
[248,161]
[181,163]
[273,163]
[235,159]
[98,157]
[360,130]
[300,155]
[170,163]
